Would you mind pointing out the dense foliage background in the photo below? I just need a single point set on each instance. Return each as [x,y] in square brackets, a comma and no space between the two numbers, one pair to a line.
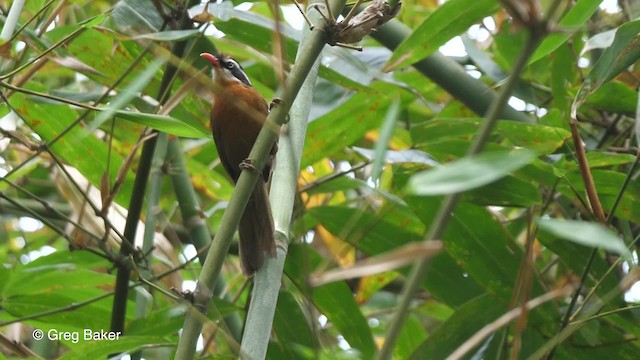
[541,259]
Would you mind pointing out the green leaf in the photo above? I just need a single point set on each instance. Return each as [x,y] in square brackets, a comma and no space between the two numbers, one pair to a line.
[209,183]
[165,123]
[562,72]
[393,227]
[162,322]
[343,126]
[173,35]
[341,79]
[124,97]
[605,159]
[574,256]
[411,336]
[614,96]
[333,300]
[257,31]
[68,260]
[485,63]
[465,322]
[93,21]
[449,20]
[624,351]
[540,138]
[477,242]
[137,16]
[449,282]
[469,172]
[508,191]
[341,183]
[372,233]
[338,305]
[607,182]
[108,54]
[400,156]
[78,147]
[52,279]
[92,316]
[4,110]
[385,136]
[5,277]
[570,23]
[102,349]
[585,233]
[623,52]
[290,323]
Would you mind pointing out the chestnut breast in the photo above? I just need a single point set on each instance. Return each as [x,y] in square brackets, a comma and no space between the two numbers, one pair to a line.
[237,116]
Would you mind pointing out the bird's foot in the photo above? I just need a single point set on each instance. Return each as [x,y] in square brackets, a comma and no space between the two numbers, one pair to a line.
[248,164]
[275,102]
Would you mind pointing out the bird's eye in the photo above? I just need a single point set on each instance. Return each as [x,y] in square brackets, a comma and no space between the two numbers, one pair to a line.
[229,65]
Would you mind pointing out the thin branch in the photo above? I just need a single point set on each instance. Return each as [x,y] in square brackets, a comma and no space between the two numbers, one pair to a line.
[552,344]
[139,188]
[314,184]
[78,305]
[61,42]
[443,216]
[82,116]
[220,245]
[48,208]
[599,282]
[569,314]
[503,320]
[585,171]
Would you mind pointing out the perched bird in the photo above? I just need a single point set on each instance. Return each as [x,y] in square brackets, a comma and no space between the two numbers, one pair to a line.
[237,117]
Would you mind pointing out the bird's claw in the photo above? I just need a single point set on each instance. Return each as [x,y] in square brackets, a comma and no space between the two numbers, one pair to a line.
[275,102]
[247,164]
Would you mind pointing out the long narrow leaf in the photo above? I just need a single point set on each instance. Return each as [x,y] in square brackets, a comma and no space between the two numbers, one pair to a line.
[469,173]
[449,20]
[585,233]
[164,123]
[623,52]
[125,96]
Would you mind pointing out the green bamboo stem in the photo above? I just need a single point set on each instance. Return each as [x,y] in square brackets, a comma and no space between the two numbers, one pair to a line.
[450,202]
[153,200]
[192,216]
[220,245]
[449,75]
[194,221]
[55,212]
[131,227]
[118,313]
[12,20]
[264,296]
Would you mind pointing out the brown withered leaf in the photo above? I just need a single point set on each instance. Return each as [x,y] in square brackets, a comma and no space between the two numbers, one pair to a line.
[381,263]
[354,29]
[74,64]
[204,17]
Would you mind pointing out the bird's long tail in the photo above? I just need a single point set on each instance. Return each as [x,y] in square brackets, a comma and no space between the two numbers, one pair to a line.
[256,231]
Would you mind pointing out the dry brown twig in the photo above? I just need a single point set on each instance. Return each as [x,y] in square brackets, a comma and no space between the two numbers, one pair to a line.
[354,27]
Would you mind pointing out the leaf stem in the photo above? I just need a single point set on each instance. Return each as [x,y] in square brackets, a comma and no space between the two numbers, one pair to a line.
[264,296]
[118,313]
[220,245]
[450,202]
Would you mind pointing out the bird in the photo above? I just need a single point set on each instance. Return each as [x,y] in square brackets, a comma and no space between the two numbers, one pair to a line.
[237,117]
